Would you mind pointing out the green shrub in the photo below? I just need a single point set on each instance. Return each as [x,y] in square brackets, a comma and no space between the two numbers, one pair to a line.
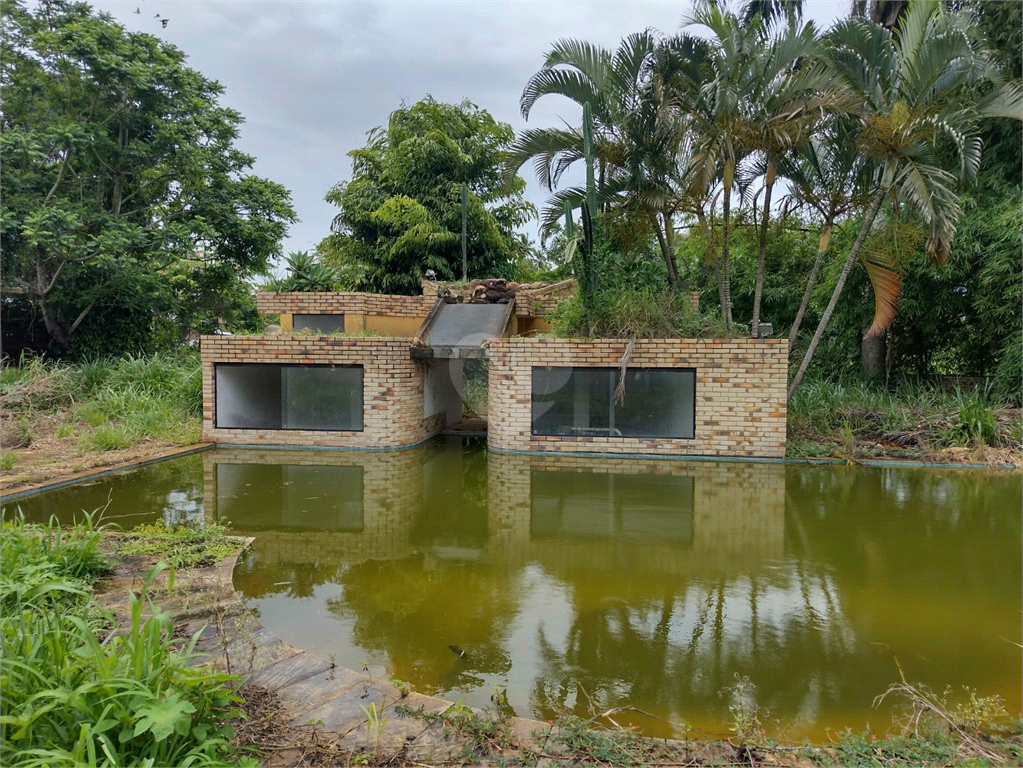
[622,313]
[181,546]
[978,420]
[73,697]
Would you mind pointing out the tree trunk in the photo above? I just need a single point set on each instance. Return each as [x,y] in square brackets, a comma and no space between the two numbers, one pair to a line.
[669,236]
[759,290]
[873,355]
[822,249]
[875,206]
[726,281]
[709,234]
[669,261]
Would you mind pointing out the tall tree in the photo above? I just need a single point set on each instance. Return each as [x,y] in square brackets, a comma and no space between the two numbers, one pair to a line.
[120,173]
[912,95]
[401,213]
[634,144]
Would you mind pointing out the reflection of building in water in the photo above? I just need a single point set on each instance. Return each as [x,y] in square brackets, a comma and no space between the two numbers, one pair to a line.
[349,506]
[318,506]
[563,509]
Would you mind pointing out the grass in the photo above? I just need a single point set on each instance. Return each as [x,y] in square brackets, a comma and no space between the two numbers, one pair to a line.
[475,396]
[180,546]
[78,694]
[104,405]
[907,416]
[7,461]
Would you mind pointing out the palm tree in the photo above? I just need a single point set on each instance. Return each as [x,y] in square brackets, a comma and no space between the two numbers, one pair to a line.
[792,94]
[828,176]
[713,96]
[911,95]
[630,128]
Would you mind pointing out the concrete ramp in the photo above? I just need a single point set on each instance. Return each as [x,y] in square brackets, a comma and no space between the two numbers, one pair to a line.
[458,330]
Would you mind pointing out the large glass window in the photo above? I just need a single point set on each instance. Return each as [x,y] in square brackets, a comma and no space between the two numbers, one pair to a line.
[320,323]
[659,402]
[312,397]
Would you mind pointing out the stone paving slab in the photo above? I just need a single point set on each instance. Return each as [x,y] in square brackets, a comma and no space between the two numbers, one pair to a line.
[289,672]
[317,689]
[346,711]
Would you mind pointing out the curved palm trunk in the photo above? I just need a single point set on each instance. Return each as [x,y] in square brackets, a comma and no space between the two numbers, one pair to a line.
[875,206]
[822,249]
[759,291]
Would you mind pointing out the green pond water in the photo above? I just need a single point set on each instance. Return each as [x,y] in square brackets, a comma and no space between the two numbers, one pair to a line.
[581,584]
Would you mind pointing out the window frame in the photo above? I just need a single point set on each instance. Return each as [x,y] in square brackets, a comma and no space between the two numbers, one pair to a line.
[216,402]
[610,403]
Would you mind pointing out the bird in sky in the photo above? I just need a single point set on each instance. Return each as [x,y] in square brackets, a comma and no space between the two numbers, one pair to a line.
[164,22]
[138,11]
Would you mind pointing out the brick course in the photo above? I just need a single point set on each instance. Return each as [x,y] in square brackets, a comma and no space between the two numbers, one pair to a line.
[740,393]
[393,385]
[337,303]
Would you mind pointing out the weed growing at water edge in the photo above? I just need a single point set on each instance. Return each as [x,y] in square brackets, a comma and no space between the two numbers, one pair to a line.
[7,461]
[375,722]
[614,747]
[181,546]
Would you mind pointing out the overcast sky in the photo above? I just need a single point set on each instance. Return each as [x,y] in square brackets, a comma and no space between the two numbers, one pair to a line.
[311,78]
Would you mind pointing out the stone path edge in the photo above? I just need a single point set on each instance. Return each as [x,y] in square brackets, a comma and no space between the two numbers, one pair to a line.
[113,469]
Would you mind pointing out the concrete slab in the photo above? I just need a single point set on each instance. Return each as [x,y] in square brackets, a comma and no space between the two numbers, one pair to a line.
[465,325]
[347,710]
[289,672]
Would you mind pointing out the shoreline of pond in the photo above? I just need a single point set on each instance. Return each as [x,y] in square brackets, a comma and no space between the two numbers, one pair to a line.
[123,461]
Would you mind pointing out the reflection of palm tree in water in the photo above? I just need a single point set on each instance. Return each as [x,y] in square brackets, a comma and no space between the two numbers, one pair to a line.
[672,655]
[414,609]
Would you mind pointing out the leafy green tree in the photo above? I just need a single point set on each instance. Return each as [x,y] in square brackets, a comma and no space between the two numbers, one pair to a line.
[123,191]
[401,213]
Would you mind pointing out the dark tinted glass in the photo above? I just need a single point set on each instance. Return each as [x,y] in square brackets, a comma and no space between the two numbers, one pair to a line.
[659,402]
[313,397]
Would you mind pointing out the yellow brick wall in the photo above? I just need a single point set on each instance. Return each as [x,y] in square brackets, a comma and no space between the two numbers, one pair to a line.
[740,393]
[342,303]
[393,386]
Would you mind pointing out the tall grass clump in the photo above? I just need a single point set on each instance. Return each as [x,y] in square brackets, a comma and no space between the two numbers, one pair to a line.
[908,413]
[76,694]
[627,312]
[124,400]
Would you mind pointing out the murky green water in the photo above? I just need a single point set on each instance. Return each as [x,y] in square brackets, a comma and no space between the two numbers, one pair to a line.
[582,584]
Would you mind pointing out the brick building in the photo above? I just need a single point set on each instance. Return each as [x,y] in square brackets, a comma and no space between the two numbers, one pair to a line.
[355,370]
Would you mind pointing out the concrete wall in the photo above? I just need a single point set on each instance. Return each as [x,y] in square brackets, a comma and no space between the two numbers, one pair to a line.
[444,384]
[393,388]
[740,393]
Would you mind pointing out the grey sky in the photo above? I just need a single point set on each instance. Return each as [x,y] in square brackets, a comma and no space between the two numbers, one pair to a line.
[310,78]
